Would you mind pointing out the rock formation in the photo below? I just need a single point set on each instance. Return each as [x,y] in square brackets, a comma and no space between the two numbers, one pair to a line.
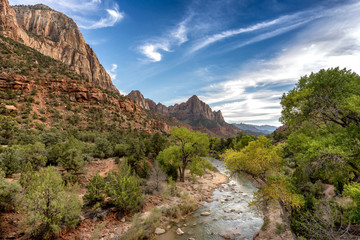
[55,35]
[194,112]
[139,99]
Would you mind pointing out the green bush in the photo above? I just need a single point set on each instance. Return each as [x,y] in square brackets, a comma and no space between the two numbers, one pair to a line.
[8,192]
[120,150]
[32,153]
[103,148]
[124,189]
[71,157]
[143,229]
[10,161]
[48,205]
[95,190]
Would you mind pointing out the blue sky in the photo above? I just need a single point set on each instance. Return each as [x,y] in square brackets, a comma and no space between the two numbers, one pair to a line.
[239,56]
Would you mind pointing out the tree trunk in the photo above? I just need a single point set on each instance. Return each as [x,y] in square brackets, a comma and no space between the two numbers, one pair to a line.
[182,174]
[287,220]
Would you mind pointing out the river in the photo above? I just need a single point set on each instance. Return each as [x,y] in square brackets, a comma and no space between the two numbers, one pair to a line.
[229,212]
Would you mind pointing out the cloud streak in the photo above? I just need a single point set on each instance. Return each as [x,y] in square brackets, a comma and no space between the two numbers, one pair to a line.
[154,49]
[251,96]
[112,71]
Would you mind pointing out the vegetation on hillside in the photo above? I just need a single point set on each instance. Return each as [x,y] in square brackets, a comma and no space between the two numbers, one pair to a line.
[312,166]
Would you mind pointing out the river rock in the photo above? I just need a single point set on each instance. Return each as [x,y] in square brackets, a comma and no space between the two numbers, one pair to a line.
[205,214]
[191,239]
[159,231]
[179,232]
[232,210]
[226,236]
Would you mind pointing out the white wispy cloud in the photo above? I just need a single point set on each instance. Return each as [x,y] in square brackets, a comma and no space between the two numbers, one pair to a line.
[112,71]
[252,94]
[330,42]
[154,51]
[88,14]
[272,28]
[113,16]
[154,48]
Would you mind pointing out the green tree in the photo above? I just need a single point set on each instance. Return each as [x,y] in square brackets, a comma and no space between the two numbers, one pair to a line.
[124,189]
[32,153]
[353,190]
[262,160]
[187,147]
[10,161]
[103,148]
[48,205]
[259,159]
[158,143]
[8,192]
[95,190]
[135,156]
[327,96]
[71,157]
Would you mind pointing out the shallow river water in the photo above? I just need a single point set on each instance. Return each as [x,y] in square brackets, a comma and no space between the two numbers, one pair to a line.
[229,210]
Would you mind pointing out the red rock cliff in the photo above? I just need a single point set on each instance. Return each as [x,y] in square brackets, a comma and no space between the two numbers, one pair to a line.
[55,35]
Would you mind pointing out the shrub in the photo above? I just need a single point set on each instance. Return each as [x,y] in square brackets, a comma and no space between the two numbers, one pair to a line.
[143,229]
[10,161]
[32,153]
[8,192]
[48,205]
[120,149]
[95,190]
[71,157]
[124,189]
[103,148]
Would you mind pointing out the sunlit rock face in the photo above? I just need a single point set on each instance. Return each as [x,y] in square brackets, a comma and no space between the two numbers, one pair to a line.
[55,35]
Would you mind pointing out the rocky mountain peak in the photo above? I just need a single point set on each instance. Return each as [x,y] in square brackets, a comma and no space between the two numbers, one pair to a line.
[55,35]
[137,97]
[194,98]
[194,112]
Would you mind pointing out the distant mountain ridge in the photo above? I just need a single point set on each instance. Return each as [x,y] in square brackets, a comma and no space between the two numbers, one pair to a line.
[256,129]
[194,112]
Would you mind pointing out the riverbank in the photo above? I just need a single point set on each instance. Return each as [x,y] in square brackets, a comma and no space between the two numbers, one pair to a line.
[173,207]
[226,216]
[275,227]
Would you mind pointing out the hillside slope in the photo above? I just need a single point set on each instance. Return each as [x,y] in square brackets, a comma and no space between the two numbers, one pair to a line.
[44,92]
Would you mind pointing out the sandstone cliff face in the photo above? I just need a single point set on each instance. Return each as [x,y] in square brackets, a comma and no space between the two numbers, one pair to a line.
[55,35]
[8,23]
[139,99]
[194,112]
[194,108]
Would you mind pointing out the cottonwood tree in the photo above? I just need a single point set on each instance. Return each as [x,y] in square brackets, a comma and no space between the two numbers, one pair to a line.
[331,95]
[187,147]
[262,160]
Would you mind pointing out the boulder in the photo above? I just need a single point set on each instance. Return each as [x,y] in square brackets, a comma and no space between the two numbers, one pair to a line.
[159,231]
[179,231]
[205,214]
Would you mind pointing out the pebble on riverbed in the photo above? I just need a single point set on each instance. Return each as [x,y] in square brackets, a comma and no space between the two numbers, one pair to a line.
[159,231]
[205,214]
[179,232]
